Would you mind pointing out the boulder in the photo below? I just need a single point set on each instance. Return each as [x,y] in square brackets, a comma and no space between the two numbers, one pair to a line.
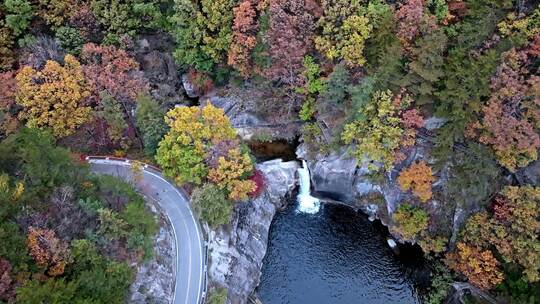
[237,251]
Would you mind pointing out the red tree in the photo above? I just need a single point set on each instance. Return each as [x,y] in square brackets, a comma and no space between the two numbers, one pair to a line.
[290,36]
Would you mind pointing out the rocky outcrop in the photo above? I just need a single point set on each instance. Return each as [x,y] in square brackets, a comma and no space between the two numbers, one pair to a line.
[155,278]
[461,293]
[339,176]
[243,108]
[160,69]
[236,251]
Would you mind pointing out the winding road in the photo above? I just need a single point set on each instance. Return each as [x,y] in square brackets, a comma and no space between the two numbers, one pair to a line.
[190,250]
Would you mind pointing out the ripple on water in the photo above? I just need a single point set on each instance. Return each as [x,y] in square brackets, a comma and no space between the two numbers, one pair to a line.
[335,256]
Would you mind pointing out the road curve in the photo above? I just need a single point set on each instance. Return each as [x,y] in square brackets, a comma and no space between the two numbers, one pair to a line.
[190,250]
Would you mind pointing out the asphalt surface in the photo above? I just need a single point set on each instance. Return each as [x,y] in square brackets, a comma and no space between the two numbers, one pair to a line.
[190,260]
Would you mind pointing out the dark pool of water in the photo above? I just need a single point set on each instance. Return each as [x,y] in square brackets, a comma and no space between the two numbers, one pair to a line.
[333,257]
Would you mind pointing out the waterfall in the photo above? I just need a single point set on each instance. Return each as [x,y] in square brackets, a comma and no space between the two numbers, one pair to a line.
[306,202]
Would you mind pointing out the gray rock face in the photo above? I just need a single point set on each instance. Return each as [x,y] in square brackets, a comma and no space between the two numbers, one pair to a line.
[160,70]
[332,175]
[236,252]
[242,112]
[154,281]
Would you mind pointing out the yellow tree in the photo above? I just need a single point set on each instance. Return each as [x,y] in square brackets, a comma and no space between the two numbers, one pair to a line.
[231,172]
[192,132]
[417,178]
[54,97]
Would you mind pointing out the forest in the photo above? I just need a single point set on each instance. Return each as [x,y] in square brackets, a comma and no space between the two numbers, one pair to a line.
[367,76]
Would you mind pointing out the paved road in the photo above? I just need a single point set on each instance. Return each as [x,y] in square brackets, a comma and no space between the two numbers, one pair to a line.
[190,255]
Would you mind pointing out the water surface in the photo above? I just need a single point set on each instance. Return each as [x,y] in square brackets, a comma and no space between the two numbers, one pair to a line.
[335,256]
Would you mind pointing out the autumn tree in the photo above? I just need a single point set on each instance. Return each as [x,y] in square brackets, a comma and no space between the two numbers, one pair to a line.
[344,31]
[244,36]
[193,131]
[231,173]
[377,133]
[512,229]
[479,266]
[412,21]
[417,178]
[112,73]
[290,38]
[47,250]
[113,70]
[512,114]
[54,97]
[202,30]
[410,221]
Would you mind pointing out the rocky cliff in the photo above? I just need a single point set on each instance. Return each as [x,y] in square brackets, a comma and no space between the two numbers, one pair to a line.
[236,251]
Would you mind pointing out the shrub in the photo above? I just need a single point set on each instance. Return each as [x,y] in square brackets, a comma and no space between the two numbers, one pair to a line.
[410,221]
[211,205]
[151,123]
[19,13]
[70,39]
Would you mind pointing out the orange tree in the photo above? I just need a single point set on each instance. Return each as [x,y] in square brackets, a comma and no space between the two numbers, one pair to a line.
[417,178]
[479,266]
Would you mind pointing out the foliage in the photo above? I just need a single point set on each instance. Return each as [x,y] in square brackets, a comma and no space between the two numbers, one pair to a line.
[70,39]
[440,283]
[202,31]
[230,173]
[512,115]
[54,96]
[211,205]
[111,112]
[19,13]
[6,45]
[344,31]
[151,123]
[289,37]
[410,221]
[122,18]
[512,229]
[47,250]
[479,266]
[45,166]
[55,12]
[313,85]
[107,68]
[218,296]
[377,133]
[336,89]
[417,178]
[259,180]
[192,132]
[244,38]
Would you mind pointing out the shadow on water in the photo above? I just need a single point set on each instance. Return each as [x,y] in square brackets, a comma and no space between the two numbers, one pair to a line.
[335,256]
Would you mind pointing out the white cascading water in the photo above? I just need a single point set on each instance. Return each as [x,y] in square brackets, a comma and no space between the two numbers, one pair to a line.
[306,202]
